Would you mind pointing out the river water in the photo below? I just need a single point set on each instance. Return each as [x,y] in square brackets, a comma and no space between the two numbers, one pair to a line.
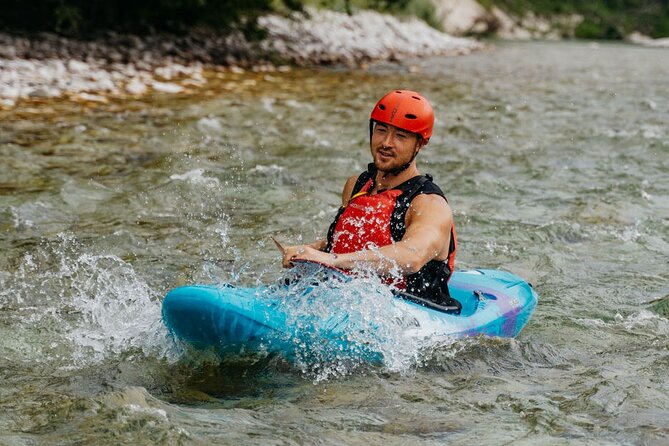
[555,158]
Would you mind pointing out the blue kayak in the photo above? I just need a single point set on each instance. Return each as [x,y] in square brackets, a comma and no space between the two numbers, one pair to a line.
[319,311]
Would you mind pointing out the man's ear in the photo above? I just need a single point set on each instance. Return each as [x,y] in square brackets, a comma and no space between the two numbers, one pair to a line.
[421,143]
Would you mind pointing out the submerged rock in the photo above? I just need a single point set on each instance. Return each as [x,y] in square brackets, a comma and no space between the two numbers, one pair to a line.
[136,87]
[167,87]
[661,306]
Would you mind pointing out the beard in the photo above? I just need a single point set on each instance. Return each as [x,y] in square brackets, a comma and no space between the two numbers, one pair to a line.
[392,162]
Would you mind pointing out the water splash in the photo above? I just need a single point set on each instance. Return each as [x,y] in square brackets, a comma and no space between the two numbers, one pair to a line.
[86,307]
[340,327]
[196,176]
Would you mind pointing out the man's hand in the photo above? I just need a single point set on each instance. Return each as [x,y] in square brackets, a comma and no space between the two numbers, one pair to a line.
[306,252]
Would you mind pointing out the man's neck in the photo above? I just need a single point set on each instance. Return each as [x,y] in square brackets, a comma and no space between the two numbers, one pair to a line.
[391,181]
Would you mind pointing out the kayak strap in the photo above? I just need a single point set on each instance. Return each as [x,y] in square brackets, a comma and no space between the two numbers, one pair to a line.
[448,305]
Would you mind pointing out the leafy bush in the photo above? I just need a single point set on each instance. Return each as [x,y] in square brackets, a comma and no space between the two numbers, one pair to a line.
[86,17]
[603,19]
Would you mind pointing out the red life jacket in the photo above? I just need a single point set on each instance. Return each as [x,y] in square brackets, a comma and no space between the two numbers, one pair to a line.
[369,221]
[365,222]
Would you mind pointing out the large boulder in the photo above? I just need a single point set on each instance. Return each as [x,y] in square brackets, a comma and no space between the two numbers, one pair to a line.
[468,17]
[641,39]
[462,17]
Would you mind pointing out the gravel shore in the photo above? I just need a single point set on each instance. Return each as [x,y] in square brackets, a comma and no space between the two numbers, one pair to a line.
[48,66]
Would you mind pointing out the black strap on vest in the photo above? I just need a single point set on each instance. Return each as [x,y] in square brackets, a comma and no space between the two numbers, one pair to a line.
[411,188]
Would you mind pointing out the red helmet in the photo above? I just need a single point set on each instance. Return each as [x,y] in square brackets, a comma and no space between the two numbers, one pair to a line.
[406,110]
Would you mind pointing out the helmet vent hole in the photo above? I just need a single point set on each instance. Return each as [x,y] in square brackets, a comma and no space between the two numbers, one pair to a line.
[416,98]
[410,116]
[382,107]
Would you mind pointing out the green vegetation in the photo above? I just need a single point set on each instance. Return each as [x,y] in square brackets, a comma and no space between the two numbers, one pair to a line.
[85,18]
[88,17]
[603,19]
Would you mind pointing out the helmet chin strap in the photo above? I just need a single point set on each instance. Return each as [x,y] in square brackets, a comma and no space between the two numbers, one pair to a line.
[402,168]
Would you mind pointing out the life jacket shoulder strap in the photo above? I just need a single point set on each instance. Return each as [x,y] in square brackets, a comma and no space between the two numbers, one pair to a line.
[363,178]
[421,185]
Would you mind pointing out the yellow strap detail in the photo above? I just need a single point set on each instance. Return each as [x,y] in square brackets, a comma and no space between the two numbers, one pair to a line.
[358,195]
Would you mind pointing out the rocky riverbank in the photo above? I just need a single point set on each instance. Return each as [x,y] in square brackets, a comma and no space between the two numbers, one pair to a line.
[472,18]
[116,66]
[640,39]
[469,17]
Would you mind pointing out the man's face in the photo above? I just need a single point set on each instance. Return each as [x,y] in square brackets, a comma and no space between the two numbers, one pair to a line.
[392,147]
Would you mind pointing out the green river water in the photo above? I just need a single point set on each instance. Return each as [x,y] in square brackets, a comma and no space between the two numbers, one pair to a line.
[554,156]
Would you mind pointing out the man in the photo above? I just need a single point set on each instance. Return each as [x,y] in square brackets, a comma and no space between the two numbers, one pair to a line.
[393,220]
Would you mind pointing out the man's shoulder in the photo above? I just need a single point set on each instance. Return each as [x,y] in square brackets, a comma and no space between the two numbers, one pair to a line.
[430,187]
[430,196]
[351,180]
[430,208]
[350,187]
[420,185]
[430,200]
[350,183]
